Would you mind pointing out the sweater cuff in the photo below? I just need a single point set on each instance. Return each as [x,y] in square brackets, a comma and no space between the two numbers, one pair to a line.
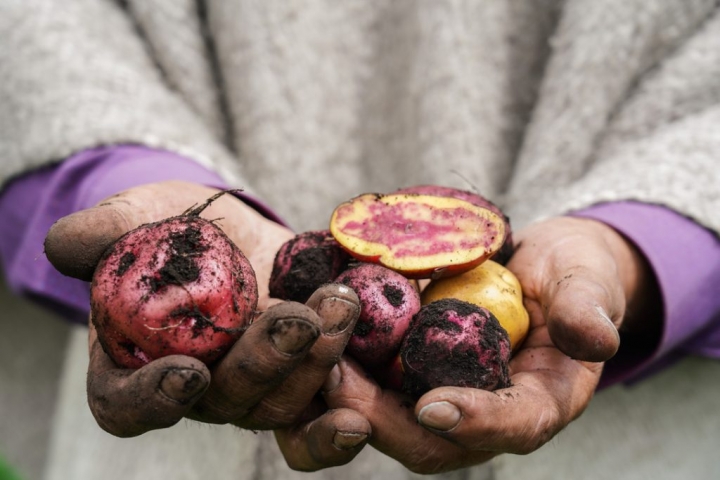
[32,203]
[685,258]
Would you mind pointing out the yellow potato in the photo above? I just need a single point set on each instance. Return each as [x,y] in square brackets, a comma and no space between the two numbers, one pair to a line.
[489,285]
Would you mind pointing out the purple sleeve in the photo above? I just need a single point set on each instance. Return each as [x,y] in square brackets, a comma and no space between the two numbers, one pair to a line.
[686,263]
[30,205]
[685,258]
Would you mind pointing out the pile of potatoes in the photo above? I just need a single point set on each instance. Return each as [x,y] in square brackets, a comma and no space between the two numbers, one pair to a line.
[460,329]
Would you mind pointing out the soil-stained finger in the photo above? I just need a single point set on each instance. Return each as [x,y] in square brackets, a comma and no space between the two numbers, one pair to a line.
[338,308]
[127,403]
[268,352]
[333,439]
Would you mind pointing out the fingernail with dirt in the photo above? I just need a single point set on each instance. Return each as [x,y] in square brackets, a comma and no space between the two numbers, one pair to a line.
[182,385]
[337,313]
[293,335]
[348,440]
[441,416]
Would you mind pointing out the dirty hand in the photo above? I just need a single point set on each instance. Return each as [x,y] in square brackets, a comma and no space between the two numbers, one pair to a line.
[270,376]
[578,278]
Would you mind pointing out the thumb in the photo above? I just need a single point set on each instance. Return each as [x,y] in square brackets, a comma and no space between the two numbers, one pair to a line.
[583,312]
[75,243]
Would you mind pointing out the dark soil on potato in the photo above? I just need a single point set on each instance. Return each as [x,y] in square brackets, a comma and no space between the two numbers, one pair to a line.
[310,269]
[172,252]
[431,364]
[394,295]
[181,266]
[315,260]
[362,329]
[125,262]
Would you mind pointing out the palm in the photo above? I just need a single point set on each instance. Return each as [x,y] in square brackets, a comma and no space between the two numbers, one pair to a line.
[285,354]
[572,282]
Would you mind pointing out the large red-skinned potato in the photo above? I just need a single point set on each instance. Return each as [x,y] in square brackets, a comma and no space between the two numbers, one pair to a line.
[177,286]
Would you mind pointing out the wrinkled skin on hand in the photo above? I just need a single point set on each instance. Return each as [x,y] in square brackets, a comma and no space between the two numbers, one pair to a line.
[579,278]
[271,375]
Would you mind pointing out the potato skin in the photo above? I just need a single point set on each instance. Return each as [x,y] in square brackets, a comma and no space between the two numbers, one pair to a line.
[304,263]
[178,286]
[454,343]
[388,302]
[492,286]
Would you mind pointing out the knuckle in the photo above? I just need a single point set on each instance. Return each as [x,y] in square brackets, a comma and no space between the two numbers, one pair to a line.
[208,414]
[528,447]
[300,465]
[418,469]
[424,460]
[106,421]
[545,429]
[422,467]
[270,417]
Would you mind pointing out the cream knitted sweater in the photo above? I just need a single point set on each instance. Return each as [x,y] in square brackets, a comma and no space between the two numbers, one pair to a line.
[544,106]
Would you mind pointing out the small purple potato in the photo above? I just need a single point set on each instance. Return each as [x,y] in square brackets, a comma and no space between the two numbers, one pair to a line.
[451,342]
[388,302]
[305,263]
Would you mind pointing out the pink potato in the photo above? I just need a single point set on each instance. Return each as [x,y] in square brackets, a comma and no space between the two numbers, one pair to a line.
[388,302]
[178,286]
[304,263]
[454,343]
[419,236]
[501,256]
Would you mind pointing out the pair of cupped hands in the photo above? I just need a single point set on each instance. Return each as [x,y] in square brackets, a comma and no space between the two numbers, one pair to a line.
[287,373]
